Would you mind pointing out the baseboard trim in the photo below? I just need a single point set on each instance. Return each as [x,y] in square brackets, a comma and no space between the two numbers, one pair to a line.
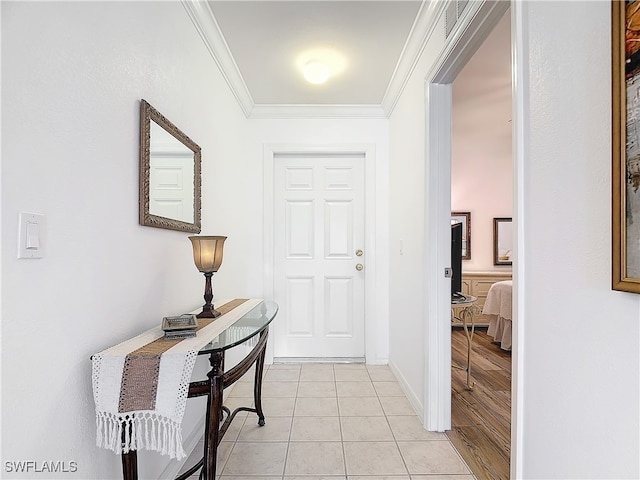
[290,360]
[414,400]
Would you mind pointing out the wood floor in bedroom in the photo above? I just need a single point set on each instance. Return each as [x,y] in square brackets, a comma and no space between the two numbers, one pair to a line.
[481,418]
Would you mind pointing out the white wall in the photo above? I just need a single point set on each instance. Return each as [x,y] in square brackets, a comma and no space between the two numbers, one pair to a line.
[72,77]
[581,340]
[578,350]
[407,286]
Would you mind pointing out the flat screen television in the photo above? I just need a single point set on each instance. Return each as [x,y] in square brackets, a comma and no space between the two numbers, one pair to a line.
[456,260]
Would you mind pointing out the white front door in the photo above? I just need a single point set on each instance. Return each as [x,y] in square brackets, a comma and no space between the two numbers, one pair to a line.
[318,247]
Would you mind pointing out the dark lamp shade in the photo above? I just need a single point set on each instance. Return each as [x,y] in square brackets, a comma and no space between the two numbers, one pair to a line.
[207,252]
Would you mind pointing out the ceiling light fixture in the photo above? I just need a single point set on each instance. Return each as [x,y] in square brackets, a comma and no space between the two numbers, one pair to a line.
[316,72]
[319,64]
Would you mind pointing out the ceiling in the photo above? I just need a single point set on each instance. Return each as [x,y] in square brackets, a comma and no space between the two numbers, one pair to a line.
[482,90]
[261,47]
[266,39]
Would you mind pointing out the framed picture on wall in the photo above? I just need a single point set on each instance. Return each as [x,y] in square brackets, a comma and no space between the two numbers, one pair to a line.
[625,17]
[465,219]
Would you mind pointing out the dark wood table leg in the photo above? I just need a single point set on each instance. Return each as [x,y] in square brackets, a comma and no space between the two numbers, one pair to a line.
[130,465]
[257,383]
[214,412]
[129,459]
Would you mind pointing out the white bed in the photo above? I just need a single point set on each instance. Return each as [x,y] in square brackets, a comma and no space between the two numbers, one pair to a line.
[497,308]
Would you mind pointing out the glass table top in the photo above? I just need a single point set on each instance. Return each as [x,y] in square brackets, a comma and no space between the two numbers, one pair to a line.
[462,300]
[250,324]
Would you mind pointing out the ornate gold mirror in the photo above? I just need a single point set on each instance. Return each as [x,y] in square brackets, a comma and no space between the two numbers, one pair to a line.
[169,174]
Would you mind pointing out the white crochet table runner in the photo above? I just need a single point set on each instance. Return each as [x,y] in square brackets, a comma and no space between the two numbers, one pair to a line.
[140,386]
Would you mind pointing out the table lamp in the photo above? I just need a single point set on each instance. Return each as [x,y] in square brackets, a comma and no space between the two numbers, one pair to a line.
[207,255]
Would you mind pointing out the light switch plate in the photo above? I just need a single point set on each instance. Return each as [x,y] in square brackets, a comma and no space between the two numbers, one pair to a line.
[31,229]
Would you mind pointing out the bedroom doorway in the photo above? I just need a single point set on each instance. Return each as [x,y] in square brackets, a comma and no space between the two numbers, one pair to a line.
[482,186]
[437,393]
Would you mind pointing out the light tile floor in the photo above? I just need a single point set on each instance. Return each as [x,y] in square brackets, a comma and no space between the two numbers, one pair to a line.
[331,422]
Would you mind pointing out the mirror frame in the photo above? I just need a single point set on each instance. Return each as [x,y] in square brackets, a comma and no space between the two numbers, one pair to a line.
[465,219]
[496,258]
[147,114]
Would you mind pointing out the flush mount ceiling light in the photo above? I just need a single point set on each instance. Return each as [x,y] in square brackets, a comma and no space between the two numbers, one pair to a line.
[316,72]
[319,64]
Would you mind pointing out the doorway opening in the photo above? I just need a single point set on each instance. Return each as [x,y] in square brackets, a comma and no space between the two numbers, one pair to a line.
[439,93]
[482,187]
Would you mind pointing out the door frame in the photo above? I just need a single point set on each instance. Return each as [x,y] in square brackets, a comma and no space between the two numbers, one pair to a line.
[438,110]
[373,305]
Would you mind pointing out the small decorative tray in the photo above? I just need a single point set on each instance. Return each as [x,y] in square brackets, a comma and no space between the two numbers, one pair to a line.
[186,321]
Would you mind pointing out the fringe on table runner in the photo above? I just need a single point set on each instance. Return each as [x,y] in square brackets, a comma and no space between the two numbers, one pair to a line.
[142,431]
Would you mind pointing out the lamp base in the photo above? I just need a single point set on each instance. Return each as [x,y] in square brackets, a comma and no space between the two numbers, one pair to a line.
[207,309]
[208,312]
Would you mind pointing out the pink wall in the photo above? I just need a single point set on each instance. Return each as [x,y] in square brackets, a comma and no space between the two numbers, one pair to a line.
[482,172]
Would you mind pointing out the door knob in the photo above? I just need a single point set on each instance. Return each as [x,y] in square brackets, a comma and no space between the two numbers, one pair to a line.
[359,253]
[359,267]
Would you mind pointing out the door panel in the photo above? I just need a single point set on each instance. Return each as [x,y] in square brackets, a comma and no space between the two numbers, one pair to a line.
[299,229]
[339,305]
[338,229]
[300,297]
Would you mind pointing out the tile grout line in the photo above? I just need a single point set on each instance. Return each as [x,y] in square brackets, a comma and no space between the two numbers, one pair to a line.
[344,453]
[293,414]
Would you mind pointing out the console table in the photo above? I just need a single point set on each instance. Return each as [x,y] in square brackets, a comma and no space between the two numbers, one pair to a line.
[462,308]
[252,327]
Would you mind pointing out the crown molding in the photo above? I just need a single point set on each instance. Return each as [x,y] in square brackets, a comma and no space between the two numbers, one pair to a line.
[264,111]
[209,30]
[458,56]
[421,31]
[204,20]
